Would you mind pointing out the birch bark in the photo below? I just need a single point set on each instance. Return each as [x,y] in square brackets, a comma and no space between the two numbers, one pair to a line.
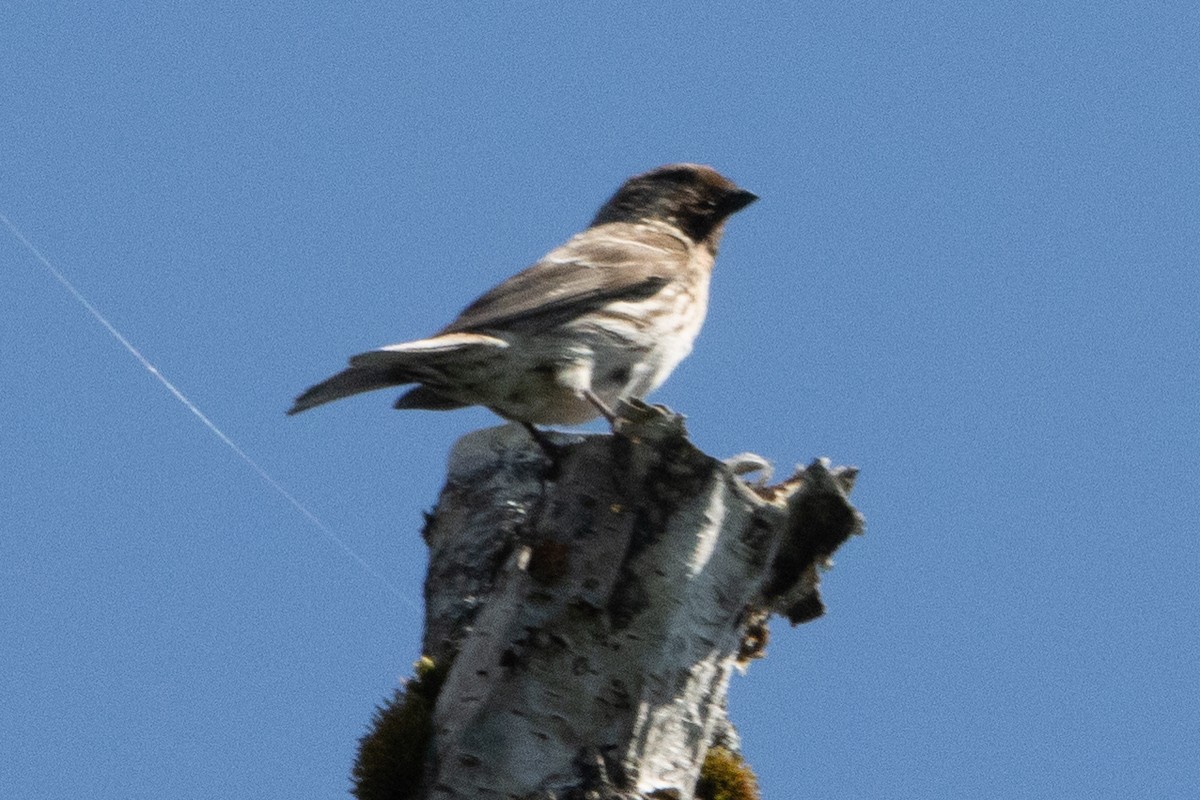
[592,618]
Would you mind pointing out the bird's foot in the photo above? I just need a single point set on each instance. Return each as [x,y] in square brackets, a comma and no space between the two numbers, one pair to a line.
[637,419]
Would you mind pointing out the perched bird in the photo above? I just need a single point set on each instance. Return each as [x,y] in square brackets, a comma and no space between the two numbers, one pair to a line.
[608,315]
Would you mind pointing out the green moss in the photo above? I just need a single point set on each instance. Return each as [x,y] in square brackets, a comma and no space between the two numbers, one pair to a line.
[726,776]
[391,756]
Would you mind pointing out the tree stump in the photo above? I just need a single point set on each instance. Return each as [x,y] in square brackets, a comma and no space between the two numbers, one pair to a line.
[591,613]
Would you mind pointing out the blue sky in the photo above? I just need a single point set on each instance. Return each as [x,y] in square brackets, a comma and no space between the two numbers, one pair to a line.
[972,273]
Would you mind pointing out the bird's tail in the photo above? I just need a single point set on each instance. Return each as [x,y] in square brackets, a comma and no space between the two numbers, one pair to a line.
[346,383]
[395,365]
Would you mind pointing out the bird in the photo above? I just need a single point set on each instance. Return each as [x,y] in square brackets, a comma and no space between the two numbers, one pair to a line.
[606,316]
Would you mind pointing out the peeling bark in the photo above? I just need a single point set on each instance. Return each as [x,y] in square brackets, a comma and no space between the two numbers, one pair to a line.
[594,617]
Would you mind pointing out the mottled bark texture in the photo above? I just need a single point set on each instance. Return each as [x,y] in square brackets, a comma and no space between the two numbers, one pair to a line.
[593,612]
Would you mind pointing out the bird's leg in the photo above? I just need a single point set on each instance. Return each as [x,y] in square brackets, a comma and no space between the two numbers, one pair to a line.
[600,406]
[551,450]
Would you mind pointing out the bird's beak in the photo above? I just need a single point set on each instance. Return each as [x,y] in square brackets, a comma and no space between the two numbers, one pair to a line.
[737,200]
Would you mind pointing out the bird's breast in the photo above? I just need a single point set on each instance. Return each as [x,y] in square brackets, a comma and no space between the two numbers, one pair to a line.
[636,345]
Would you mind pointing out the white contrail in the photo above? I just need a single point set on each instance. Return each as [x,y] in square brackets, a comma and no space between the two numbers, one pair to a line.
[208,423]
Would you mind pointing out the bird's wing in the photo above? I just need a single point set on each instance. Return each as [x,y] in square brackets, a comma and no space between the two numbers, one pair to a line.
[611,262]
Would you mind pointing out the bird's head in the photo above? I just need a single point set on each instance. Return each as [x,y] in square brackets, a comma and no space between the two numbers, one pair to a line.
[692,197]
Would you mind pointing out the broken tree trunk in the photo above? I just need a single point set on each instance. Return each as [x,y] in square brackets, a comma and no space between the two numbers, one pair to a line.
[591,617]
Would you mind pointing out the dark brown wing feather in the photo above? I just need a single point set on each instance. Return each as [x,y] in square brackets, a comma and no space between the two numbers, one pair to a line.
[618,261]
